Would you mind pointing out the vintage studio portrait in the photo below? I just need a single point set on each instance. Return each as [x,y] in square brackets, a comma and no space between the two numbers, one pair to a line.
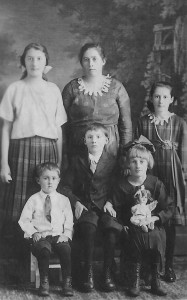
[93,149]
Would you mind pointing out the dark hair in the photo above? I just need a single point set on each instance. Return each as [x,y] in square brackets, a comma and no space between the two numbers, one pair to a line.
[97,126]
[87,46]
[153,88]
[40,168]
[142,193]
[36,46]
[141,152]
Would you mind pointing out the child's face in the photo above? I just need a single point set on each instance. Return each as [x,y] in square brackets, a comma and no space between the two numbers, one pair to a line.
[138,167]
[95,141]
[48,181]
[162,99]
[35,61]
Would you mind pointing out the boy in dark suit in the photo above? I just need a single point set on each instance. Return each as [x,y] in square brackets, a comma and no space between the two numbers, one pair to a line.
[87,184]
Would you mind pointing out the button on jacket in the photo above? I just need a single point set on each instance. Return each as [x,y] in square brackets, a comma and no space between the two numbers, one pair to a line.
[81,184]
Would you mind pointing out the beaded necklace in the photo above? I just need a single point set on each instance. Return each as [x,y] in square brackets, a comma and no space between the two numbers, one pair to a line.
[166,142]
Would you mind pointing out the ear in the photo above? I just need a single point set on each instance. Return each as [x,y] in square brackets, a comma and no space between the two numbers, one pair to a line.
[104,61]
[37,180]
[172,99]
[106,140]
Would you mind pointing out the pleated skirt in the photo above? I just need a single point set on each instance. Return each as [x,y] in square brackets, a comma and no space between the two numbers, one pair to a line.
[24,155]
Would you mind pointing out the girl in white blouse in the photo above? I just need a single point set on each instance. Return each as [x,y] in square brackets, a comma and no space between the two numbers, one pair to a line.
[33,113]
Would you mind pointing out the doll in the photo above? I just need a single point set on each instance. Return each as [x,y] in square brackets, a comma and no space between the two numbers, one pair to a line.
[142,211]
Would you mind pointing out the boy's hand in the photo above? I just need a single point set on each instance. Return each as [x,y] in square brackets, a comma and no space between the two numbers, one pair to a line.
[78,209]
[62,238]
[108,207]
[36,237]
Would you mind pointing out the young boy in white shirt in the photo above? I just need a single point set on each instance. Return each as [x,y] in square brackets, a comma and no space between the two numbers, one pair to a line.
[47,220]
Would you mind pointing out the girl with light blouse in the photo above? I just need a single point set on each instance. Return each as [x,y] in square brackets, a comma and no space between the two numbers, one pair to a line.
[33,113]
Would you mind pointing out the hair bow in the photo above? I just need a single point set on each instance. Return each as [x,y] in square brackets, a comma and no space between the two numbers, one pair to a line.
[141,141]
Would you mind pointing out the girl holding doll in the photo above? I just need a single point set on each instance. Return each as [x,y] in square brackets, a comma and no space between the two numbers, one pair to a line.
[152,242]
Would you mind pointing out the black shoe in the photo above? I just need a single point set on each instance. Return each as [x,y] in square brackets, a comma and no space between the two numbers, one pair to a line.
[88,284]
[67,287]
[44,286]
[108,284]
[134,290]
[156,288]
[169,275]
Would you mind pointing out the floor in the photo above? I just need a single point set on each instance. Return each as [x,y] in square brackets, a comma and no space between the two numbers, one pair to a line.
[12,290]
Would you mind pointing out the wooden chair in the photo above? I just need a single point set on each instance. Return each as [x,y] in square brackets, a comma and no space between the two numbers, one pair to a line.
[34,271]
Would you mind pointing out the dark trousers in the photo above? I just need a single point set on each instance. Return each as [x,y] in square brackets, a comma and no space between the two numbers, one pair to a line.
[170,244]
[42,251]
[86,233]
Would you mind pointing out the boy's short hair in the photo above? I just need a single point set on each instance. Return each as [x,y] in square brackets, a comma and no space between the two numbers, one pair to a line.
[95,127]
[141,152]
[40,168]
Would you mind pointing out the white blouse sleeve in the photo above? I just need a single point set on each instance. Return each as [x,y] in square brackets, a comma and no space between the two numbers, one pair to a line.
[61,116]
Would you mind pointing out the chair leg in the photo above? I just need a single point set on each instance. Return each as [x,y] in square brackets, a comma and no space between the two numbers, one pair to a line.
[37,279]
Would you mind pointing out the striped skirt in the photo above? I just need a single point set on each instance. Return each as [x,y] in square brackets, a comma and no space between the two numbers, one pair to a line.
[24,155]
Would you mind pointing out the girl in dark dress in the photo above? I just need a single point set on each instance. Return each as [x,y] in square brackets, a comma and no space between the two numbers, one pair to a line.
[168,133]
[139,159]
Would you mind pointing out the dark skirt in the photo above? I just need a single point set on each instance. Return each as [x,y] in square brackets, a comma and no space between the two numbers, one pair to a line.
[140,241]
[24,155]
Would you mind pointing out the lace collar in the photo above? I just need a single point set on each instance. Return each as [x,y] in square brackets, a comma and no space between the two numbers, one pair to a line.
[104,88]
[157,120]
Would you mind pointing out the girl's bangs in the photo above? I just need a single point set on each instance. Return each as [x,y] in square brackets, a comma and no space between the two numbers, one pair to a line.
[140,153]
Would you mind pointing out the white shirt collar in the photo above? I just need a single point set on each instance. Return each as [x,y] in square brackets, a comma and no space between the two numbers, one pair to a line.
[44,195]
[94,158]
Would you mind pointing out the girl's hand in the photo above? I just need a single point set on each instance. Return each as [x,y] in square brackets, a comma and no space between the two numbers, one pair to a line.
[108,207]
[62,238]
[154,219]
[5,174]
[36,237]
[78,209]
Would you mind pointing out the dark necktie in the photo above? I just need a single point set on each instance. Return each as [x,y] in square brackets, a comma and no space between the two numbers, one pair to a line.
[47,208]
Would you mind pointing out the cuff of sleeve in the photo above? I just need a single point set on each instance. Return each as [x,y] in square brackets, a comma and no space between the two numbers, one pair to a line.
[158,222]
[68,233]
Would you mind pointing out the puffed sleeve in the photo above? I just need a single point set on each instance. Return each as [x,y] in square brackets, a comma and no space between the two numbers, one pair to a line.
[125,123]
[61,116]
[67,96]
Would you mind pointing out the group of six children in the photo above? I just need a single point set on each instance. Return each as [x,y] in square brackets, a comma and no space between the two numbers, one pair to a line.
[101,199]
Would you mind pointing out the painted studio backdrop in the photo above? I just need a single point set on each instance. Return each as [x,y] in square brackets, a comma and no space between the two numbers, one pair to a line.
[144,40]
